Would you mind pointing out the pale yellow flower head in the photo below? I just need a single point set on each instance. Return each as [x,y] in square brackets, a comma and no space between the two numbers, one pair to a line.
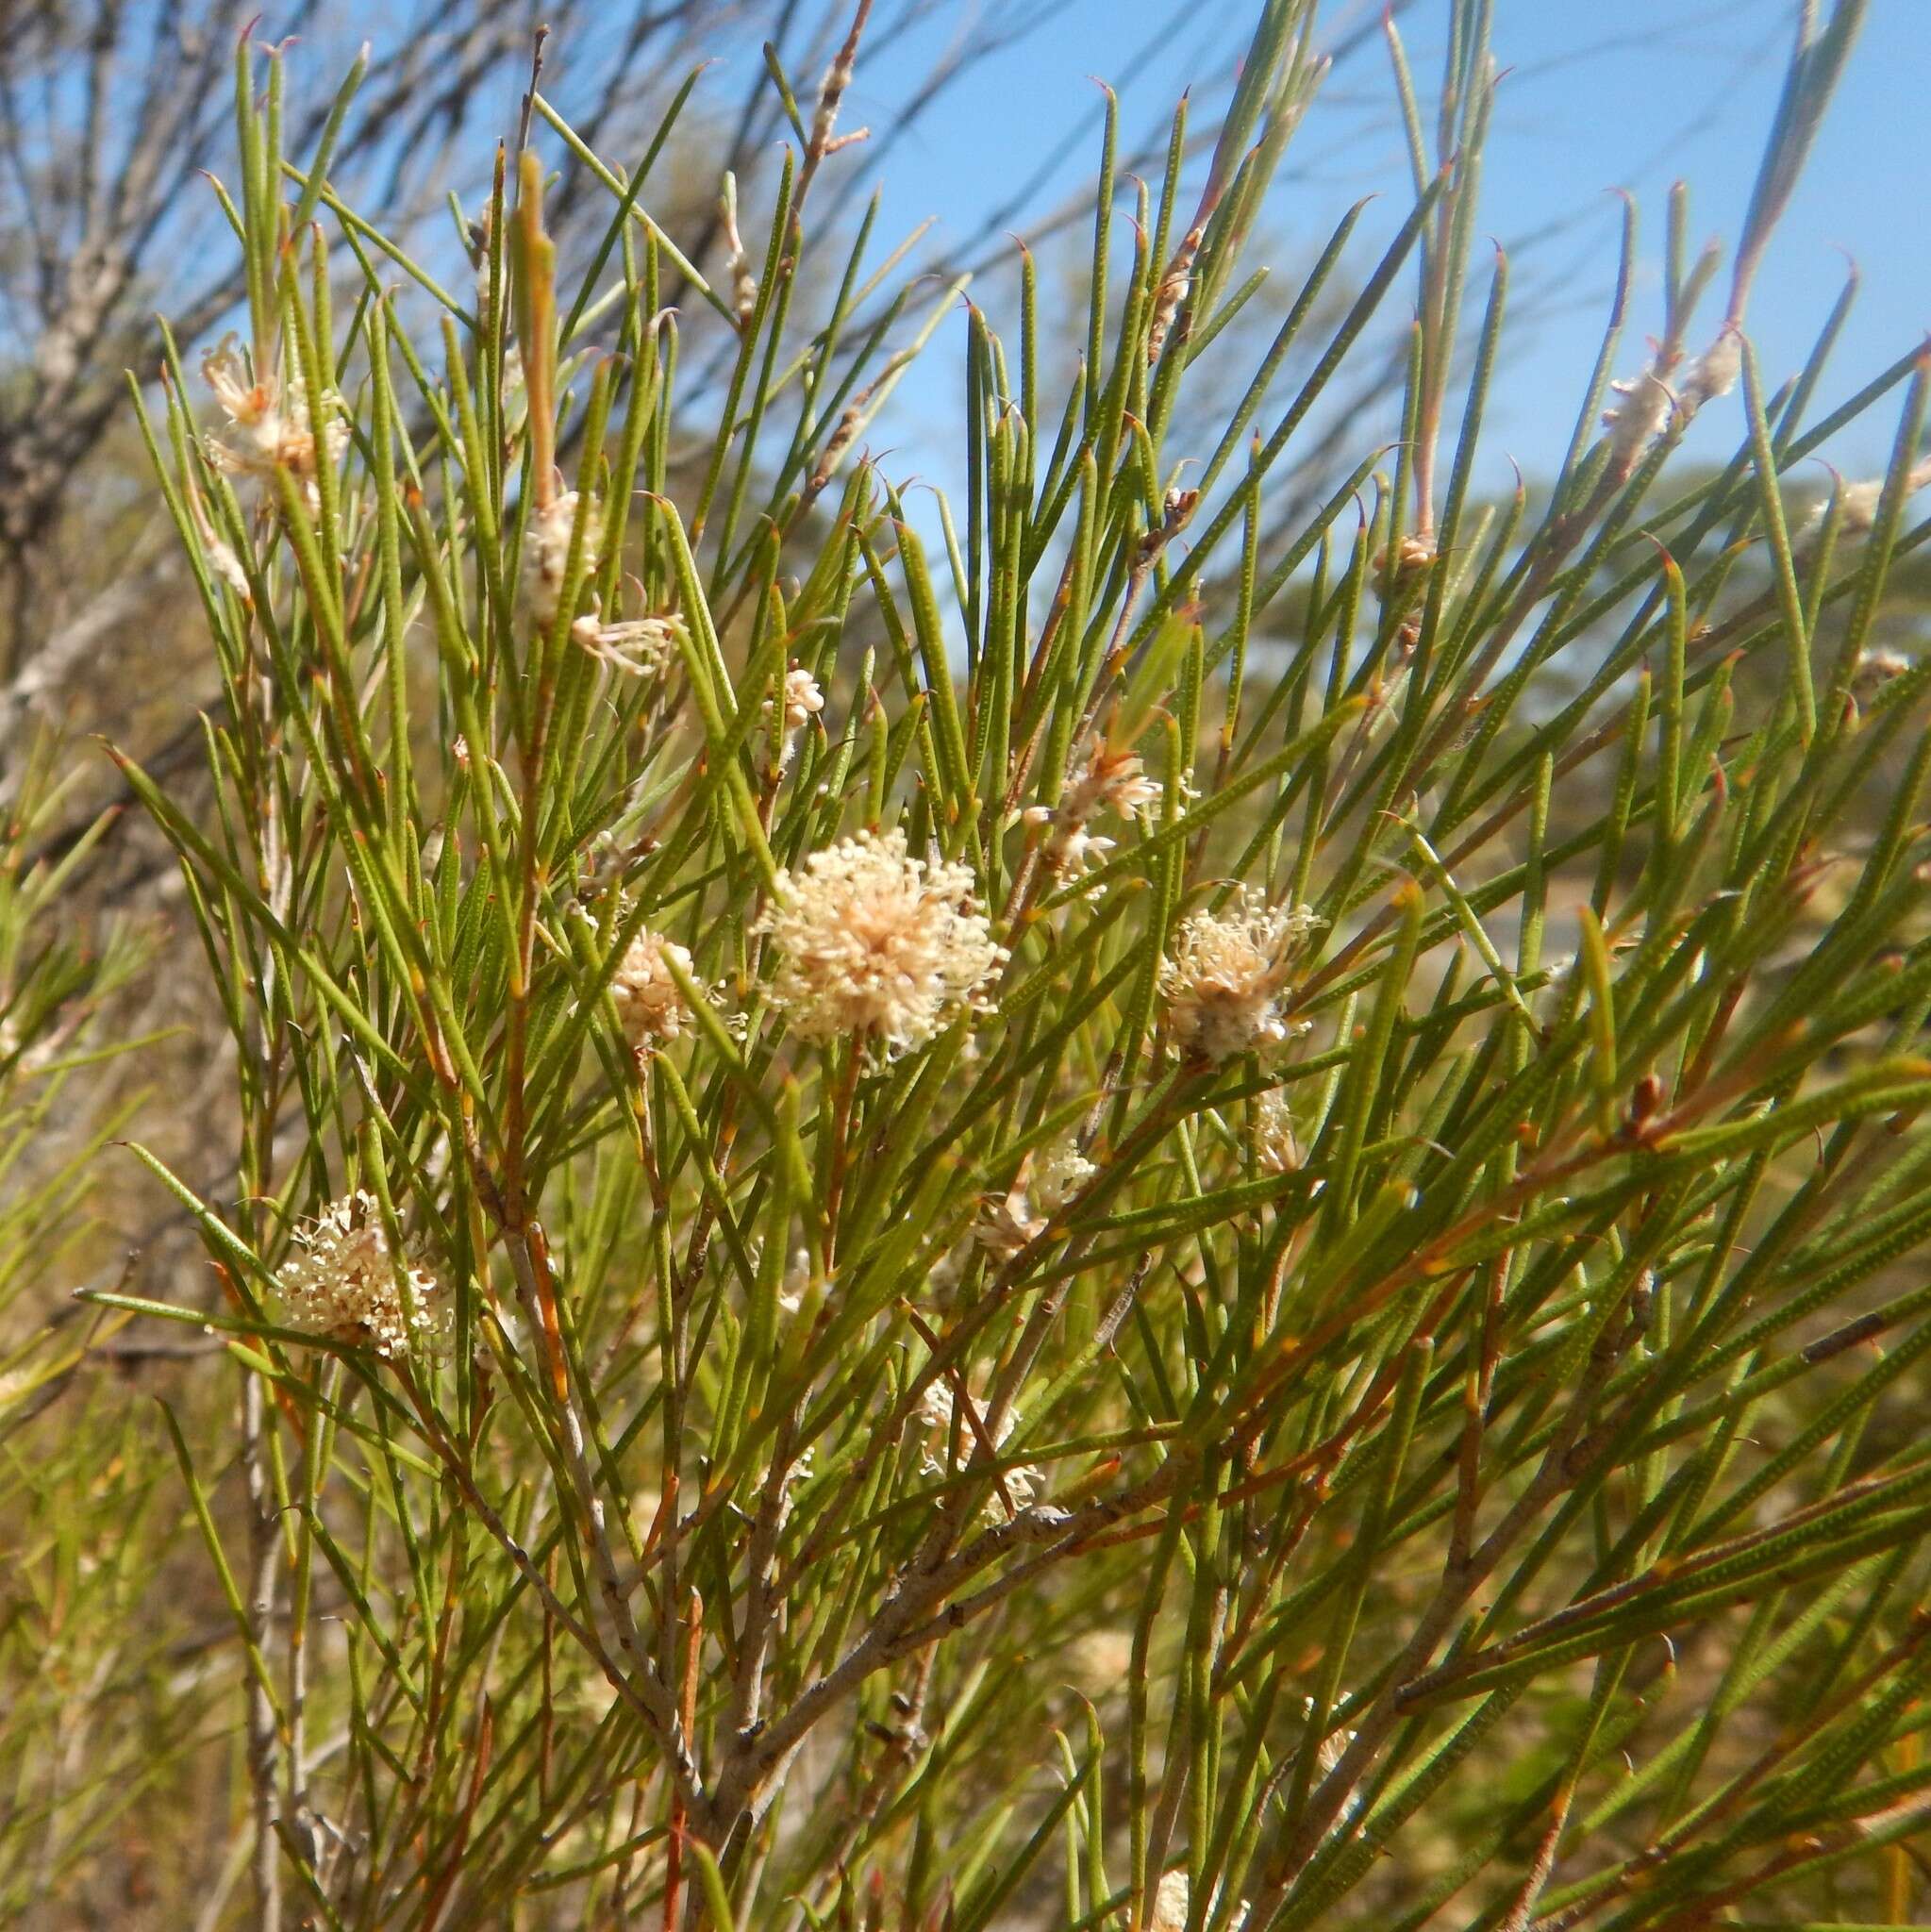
[876,944]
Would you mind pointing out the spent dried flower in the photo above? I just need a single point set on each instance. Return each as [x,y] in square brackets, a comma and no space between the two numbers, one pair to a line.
[651,1006]
[637,647]
[831,92]
[1006,1224]
[1276,1148]
[877,944]
[1859,502]
[796,1473]
[1637,420]
[272,424]
[1174,1901]
[1175,287]
[547,553]
[839,441]
[1109,779]
[220,556]
[1713,373]
[346,1282]
[743,283]
[227,566]
[1222,978]
[478,235]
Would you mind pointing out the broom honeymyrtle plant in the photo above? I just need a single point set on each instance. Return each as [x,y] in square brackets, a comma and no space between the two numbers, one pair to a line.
[908,1250]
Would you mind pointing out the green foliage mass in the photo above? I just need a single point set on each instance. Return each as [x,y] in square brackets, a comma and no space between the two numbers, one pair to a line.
[1430,1442]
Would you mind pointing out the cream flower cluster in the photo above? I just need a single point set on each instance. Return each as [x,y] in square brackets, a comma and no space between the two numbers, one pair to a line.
[1650,398]
[802,701]
[877,944]
[342,1283]
[936,1409]
[272,424]
[1059,1171]
[649,1003]
[1223,977]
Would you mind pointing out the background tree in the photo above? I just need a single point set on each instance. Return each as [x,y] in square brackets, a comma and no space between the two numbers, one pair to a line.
[111,113]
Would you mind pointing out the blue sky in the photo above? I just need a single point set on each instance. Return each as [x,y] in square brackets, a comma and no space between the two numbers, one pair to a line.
[1630,93]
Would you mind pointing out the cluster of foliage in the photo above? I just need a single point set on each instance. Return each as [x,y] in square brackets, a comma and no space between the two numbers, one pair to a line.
[908,1250]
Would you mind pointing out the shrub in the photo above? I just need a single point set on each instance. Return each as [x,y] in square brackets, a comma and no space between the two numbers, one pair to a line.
[906,1248]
